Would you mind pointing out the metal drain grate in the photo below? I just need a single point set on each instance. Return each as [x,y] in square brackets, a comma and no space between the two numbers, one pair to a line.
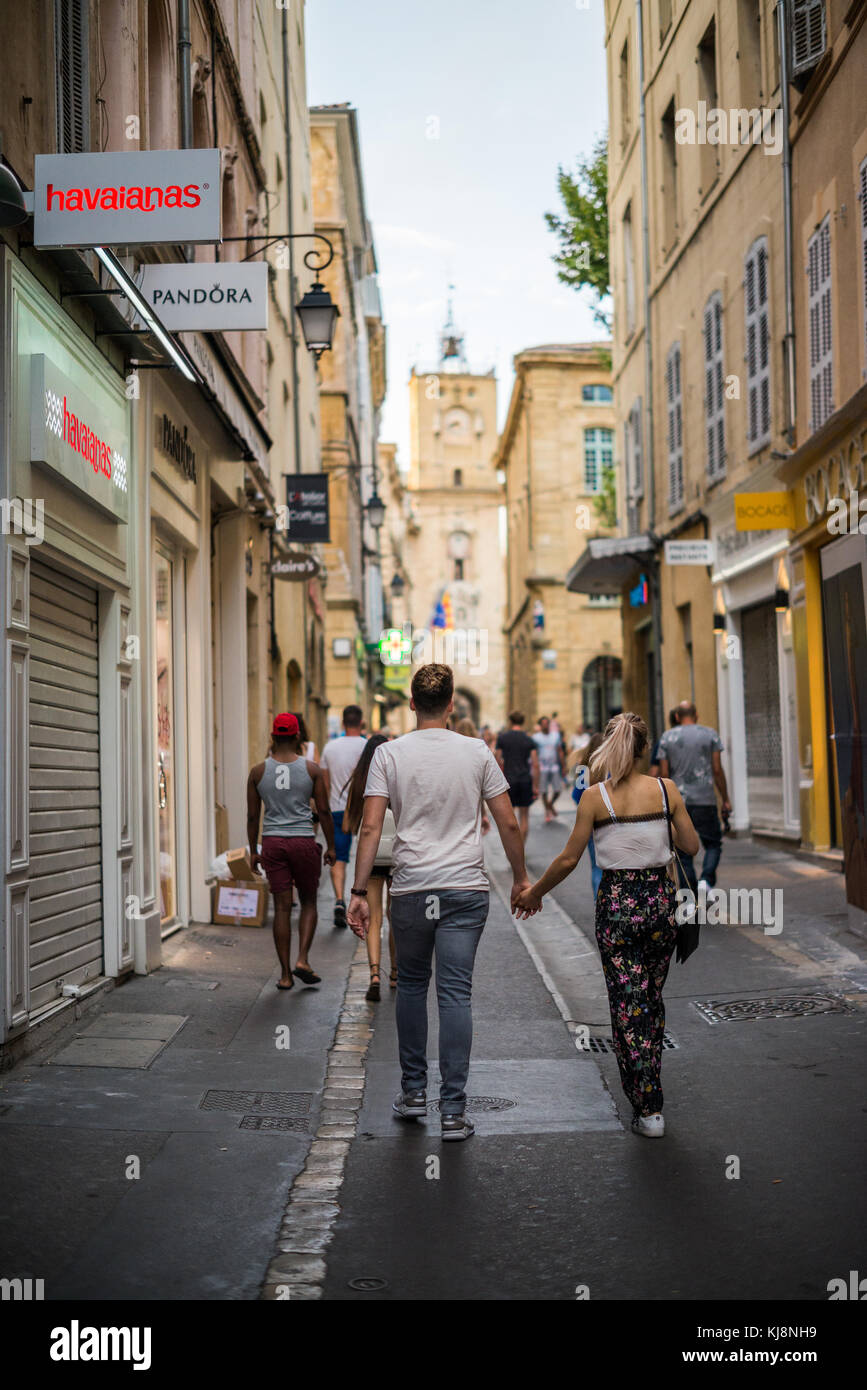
[482,1103]
[369,1285]
[192,984]
[780,1006]
[209,939]
[274,1122]
[602,1044]
[255,1104]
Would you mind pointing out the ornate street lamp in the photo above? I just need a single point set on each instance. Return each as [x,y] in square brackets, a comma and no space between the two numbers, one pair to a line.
[375,510]
[318,314]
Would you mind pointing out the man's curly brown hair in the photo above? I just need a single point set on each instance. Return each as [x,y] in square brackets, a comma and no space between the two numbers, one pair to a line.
[432,688]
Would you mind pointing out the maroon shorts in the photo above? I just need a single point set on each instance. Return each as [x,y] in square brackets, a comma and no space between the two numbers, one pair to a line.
[292,860]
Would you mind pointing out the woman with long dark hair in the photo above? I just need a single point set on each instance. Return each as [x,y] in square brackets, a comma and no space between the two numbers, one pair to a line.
[631,818]
[380,874]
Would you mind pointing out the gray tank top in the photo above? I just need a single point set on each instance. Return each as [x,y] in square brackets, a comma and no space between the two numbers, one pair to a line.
[286,789]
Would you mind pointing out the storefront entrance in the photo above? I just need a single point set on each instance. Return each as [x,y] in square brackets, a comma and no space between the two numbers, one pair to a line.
[164,649]
[762,721]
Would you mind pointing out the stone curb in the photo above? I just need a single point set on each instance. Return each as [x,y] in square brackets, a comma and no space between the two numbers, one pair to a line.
[297,1268]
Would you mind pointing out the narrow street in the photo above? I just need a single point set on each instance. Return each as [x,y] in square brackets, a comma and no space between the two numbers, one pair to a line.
[550,1200]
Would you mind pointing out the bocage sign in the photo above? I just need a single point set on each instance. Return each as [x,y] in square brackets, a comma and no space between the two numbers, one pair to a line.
[217,297]
[69,436]
[764,511]
[134,199]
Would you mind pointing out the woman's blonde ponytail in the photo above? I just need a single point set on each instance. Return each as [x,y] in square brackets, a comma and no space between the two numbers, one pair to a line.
[625,740]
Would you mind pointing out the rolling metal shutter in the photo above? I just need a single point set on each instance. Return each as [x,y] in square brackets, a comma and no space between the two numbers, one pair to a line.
[65,842]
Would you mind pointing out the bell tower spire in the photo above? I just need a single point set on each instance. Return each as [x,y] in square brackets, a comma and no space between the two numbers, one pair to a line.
[452,354]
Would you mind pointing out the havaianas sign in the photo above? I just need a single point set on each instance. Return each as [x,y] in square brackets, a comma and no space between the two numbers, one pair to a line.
[135,199]
[69,435]
[215,297]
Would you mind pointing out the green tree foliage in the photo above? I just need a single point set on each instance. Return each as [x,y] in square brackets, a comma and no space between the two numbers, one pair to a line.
[605,501]
[582,260]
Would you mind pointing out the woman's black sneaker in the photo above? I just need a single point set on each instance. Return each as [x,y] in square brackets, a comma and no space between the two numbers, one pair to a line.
[340,913]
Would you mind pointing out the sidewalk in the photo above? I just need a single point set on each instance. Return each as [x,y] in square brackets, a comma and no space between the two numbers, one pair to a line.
[201,1219]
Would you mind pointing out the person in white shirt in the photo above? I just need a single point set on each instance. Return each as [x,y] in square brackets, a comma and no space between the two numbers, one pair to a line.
[338,760]
[435,782]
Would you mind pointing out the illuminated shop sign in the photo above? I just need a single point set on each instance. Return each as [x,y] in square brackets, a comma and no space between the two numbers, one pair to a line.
[137,199]
[69,436]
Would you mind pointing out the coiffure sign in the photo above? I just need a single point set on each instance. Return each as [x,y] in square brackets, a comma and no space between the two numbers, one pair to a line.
[216,297]
[69,436]
[133,199]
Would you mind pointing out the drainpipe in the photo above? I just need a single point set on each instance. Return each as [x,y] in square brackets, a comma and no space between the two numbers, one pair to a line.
[789,339]
[287,118]
[185,87]
[656,587]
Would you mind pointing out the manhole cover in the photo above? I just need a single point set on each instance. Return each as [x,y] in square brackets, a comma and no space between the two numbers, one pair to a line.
[368,1285]
[483,1103]
[781,1006]
[601,1044]
[274,1122]
[255,1104]
[208,939]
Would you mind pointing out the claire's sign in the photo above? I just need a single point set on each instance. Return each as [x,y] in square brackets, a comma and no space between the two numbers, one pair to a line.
[69,435]
[295,567]
[215,297]
[135,199]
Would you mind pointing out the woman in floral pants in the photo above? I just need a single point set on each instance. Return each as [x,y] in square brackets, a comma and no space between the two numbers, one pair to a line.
[635,905]
[637,936]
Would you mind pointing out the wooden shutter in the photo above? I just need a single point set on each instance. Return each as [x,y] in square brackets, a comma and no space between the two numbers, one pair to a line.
[821,343]
[714,399]
[674,402]
[808,34]
[71,76]
[758,356]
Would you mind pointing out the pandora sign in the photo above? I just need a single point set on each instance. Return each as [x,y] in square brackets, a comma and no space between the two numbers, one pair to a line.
[133,199]
[214,296]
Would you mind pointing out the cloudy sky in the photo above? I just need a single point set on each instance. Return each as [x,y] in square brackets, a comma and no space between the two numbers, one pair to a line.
[465,112]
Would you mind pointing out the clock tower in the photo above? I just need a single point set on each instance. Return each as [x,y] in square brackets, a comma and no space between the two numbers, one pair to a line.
[454,545]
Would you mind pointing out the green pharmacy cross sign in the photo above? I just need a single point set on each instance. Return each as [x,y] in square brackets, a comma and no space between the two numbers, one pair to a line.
[395,647]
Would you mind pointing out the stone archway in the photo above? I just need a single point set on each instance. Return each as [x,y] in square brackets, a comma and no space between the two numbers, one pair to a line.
[466,705]
[601,691]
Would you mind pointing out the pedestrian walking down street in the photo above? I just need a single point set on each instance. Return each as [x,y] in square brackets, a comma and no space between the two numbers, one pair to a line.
[518,758]
[338,762]
[435,782]
[690,754]
[635,908]
[379,884]
[284,784]
[653,770]
[550,747]
[581,760]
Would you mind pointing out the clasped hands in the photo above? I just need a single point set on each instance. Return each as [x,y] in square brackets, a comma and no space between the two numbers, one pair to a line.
[525,902]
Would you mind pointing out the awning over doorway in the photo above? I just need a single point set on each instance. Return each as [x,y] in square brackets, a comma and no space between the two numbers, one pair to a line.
[609,564]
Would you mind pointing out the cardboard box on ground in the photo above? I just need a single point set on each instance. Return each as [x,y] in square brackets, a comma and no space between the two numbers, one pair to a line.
[242,900]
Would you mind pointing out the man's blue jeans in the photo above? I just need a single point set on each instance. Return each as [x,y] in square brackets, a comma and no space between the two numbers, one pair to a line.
[448,921]
[707,823]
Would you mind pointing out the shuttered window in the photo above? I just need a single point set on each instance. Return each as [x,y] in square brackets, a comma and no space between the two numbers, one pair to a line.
[714,397]
[821,346]
[758,345]
[71,76]
[808,35]
[862,195]
[674,404]
[598,454]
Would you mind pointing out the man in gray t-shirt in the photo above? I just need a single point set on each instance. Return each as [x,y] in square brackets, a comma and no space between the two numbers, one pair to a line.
[690,755]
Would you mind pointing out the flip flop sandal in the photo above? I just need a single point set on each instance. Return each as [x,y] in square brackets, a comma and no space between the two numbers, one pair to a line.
[307,977]
[372,995]
[292,986]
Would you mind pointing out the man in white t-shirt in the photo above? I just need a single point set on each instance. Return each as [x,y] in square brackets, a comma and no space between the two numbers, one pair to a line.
[339,758]
[435,781]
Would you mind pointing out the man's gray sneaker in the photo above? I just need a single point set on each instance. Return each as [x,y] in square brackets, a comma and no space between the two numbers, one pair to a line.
[411,1105]
[456,1127]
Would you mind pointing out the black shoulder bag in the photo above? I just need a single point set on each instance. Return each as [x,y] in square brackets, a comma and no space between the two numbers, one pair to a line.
[687,932]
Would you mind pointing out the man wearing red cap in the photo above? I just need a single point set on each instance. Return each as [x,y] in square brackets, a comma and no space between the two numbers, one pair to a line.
[285,783]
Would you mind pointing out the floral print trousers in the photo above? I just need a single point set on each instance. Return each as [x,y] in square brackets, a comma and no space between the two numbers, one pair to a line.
[636,932]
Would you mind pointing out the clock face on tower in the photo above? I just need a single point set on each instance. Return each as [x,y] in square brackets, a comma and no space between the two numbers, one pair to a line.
[456,426]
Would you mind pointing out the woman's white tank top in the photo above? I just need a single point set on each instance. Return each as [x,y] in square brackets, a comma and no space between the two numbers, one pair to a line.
[632,842]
